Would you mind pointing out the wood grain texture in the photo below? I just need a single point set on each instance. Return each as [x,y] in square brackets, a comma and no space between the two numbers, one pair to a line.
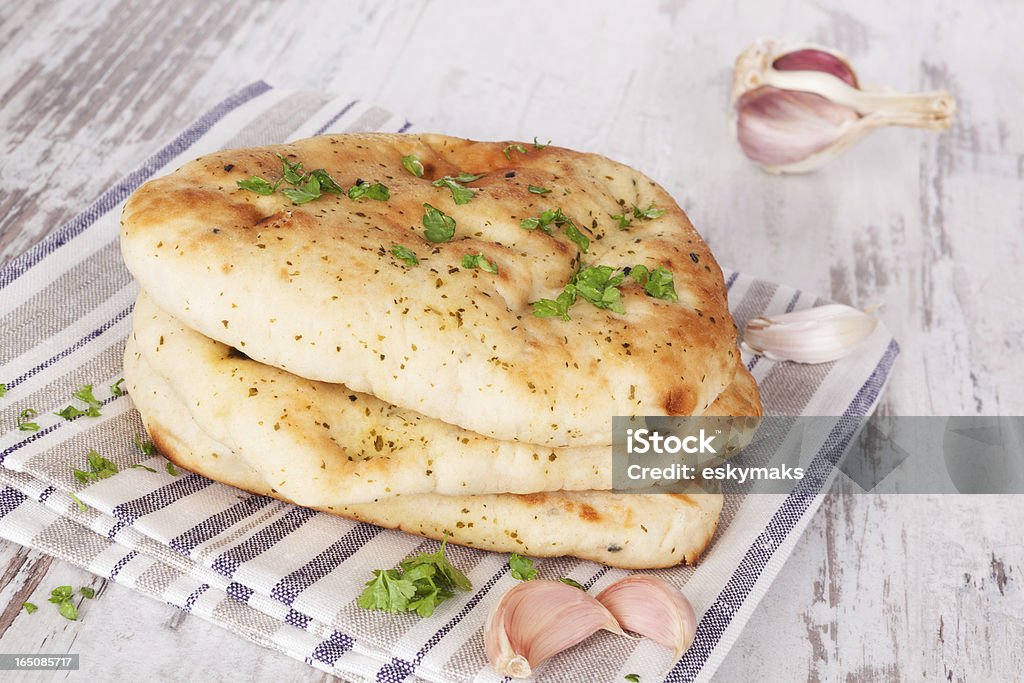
[929,225]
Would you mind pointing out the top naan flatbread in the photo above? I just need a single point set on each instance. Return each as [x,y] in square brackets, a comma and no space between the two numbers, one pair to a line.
[314,288]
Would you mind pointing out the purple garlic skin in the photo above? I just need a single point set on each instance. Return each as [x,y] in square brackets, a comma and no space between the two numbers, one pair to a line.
[796,108]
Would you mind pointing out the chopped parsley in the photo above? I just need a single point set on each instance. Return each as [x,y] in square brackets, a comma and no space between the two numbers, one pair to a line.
[657,283]
[648,214]
[538,145]
[460,193]
[413,165]
[256,184]
[437,226]
[25,423]
[99,468]
[534,189]
[305,187]
[171,469]
[116,389]
[87,592]
[61,596]
[419,584]
[555,217]
[522,567]
[3,390]
[29,607]
[145,446]
[471,261]
[405,254]
[572,582]
[140,466]
[92,405]
[81,506]
[513,148]
[558,307]
[599,285]
[633,678]
[376,191]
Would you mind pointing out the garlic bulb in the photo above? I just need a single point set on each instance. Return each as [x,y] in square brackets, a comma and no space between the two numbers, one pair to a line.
[814,335]
[538,619]
[649,606]
[797,107]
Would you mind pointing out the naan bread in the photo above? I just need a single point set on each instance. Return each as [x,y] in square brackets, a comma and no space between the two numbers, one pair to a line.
[630,531]
[323,444]
[315,290]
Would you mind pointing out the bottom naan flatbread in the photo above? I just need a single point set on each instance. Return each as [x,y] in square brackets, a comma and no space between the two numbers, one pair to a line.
[621,530]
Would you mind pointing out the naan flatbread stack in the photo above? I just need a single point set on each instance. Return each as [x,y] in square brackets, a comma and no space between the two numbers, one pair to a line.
[332,332]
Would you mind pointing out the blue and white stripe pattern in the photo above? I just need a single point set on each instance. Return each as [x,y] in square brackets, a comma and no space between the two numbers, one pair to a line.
[287,577]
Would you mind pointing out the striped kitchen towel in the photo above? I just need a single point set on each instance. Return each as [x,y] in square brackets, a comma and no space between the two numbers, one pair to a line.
[287,577]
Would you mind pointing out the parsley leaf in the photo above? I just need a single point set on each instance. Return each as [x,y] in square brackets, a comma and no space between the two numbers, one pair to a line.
[115,388]
[60,594]
[256,184]
[304,193]
[572,582]
[650,213]
[3,390]
[623,219]
[68,610]
[657,283]
[87,592]
[413,165]
[522,567]
[464,177]
[479,261]
[24,420]
[387,591]
[513,148]
[292,171]
[327,183]
[376,191]
[147,447]
[85,395]
[556,308]
[99,468]
[534,189]
[460,193]
[81,506]
[633,678]
[405,254]
[171,469]
[537,145]
[600,286]
[29,607]
[140,466]
[418,585]
[438,226]
[556,217]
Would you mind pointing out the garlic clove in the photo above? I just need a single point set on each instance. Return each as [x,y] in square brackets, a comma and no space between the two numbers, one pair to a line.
[815,335]
[783,127]
[797,107]
[817,59]
[649,606]
[536,620]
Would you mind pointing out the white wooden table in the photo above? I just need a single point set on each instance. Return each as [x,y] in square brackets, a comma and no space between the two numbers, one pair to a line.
[930,225]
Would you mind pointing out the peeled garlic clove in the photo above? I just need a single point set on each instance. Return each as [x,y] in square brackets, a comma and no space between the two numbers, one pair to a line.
[797,107]
[814,335]
[649,606]
[538,619]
